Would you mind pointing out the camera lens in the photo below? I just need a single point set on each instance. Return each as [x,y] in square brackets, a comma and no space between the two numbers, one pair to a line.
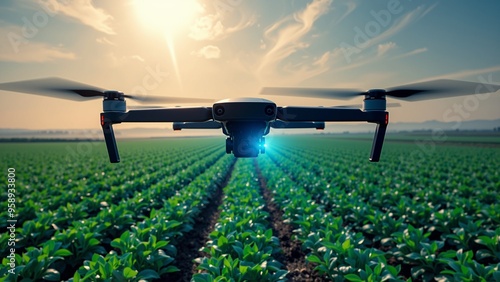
[219,110]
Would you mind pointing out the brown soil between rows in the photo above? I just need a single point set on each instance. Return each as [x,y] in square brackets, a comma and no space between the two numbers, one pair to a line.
[293,257]
[188,249]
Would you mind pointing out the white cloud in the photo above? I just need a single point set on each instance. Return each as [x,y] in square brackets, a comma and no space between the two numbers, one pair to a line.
[352,53]
[323,60]
[400,24]
[104,40]
[138,58]
[209,52]
[82,11]
[119,60]
[207,28]
[382,49]
[286,37]
[262,45]
[411,53]
[210,27]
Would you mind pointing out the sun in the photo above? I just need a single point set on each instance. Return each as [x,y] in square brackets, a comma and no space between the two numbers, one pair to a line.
[167,16]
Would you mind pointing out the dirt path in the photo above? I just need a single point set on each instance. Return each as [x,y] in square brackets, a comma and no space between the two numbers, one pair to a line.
[189,248]
[293,257]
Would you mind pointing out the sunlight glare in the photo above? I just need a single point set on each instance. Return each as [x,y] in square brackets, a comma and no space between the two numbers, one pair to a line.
[168,16]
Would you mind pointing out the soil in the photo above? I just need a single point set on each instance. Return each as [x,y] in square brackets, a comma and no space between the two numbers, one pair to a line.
[293,257]
[189,248]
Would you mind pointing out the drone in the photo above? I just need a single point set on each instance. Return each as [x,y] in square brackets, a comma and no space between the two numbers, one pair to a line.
[246,121]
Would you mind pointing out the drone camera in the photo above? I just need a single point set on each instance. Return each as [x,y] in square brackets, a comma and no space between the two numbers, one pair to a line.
[245,138]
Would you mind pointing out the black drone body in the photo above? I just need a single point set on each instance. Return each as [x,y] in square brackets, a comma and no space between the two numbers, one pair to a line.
[246,121]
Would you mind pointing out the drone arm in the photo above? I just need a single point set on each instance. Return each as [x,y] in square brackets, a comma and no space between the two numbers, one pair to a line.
[197,125]
[196,114]
[301,114]
[323,114]
[153,115]
[298,124]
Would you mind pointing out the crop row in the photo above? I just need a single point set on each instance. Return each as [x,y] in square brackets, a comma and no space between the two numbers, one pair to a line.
[34,232]
[422,236]
[61,183]
[147,250]
[361,199]
[94,234]
[338,252]
[450,178]
[242,246]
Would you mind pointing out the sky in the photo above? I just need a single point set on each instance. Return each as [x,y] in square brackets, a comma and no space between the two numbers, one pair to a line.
[232,48]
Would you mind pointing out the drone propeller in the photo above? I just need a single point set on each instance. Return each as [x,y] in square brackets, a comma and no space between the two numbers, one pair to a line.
[434,89]
[357,106]
[76,91]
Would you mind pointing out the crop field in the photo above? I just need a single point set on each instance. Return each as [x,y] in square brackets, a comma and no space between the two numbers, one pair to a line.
[313,208]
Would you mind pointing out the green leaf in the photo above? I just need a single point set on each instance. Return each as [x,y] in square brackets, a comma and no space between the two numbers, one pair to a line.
[161,244]
[353,277]
[314,258]
[116,243]
[347,244]
[329,245]
[129,272]
[76,277]
[148,274]
[62,253]
[202,277]
[243,269]
[414,256]
[170,269]
[93,242]
[239,251]
[51,275]
[496,275]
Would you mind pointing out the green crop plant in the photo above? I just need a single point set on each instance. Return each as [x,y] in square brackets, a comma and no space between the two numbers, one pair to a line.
[435,218]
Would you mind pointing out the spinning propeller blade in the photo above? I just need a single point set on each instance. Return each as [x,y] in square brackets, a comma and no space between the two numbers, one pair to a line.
[434,89]
[55,87]
[76,91]
[359,106]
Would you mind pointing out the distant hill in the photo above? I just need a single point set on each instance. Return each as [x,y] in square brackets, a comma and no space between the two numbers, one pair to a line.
[473,125]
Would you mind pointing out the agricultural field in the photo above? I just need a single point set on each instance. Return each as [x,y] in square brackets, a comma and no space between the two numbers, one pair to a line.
[313,208]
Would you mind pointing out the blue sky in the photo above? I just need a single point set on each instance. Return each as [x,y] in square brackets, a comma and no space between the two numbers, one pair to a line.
[232,48]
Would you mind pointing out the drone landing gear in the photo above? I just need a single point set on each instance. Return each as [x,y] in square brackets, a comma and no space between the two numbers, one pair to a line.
[229,145]
[378,141]
[109,137]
